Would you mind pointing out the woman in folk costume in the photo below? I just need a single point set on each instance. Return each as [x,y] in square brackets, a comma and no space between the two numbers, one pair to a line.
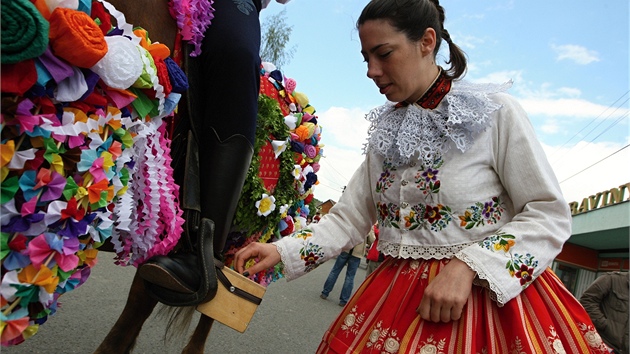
[469,211]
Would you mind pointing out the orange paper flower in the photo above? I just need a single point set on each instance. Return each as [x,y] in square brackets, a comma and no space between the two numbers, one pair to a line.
[75,37]
[302,132]
[43,277]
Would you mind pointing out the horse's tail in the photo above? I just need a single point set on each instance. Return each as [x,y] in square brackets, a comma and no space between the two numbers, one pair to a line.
[178,320]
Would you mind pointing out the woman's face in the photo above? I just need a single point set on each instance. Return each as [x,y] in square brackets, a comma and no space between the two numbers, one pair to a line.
[401,69]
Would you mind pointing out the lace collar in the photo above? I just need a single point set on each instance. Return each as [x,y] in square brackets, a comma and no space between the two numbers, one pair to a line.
[401,132]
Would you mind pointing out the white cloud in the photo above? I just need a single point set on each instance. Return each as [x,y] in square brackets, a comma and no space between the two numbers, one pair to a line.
[569,107]
[577,180]
[570,92]
[550,127]
[343,135]
[500,77]
[467,41]
[576,53]
[336,170]
[345,127]
[548,101]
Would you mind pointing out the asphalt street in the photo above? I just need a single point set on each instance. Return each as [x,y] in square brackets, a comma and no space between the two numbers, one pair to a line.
[291,319]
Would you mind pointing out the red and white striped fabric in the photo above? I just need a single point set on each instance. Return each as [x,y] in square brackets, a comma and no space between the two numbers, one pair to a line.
[381,318]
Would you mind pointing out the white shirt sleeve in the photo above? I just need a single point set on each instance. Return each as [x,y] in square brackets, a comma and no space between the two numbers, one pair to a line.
[345,226]
[523,248]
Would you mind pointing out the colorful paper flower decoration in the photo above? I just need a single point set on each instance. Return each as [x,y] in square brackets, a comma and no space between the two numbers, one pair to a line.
[81,162]
[296,133]
[266,205]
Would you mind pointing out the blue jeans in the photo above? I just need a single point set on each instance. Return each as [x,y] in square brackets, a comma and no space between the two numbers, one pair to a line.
[353,264]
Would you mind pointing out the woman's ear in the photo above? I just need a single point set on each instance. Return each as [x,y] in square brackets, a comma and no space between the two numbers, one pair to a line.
[428,40]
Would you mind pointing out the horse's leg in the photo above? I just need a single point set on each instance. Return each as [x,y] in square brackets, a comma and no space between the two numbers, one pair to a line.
[122,337]
[197,341]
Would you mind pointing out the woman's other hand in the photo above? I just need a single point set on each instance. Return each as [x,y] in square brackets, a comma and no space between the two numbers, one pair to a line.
[267,254]
[445,296]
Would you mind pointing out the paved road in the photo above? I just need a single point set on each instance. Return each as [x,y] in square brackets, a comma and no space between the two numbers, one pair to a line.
[290,320]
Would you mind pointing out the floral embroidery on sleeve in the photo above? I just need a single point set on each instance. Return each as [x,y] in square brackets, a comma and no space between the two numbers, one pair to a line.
[519,266]
[304,234]
[482,213]
[522,266]
[310,253]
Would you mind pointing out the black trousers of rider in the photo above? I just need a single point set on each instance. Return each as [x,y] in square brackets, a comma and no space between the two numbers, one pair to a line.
[224,93]
[229,69]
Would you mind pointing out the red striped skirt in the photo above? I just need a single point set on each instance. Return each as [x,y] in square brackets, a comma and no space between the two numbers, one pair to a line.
[381,318]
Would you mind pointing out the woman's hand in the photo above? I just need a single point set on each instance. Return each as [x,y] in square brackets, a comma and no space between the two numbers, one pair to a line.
[445,297]
[267,254]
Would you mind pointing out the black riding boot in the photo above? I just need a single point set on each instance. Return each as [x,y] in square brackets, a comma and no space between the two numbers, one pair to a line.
[189,278]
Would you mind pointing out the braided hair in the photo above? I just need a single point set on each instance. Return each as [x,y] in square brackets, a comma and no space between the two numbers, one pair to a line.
[413,17]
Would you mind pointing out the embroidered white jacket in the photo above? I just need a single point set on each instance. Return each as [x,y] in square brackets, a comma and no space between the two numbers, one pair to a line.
[493,202]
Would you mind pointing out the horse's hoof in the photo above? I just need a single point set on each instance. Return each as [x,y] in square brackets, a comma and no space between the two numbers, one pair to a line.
[171,274]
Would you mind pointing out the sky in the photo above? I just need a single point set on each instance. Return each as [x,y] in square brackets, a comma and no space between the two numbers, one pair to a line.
[568,60]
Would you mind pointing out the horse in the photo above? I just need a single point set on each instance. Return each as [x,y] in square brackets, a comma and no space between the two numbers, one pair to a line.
[154,17]
[70,32]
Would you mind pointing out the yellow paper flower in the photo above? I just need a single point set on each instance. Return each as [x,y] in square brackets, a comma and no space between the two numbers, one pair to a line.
[301,98]
[7,150]
[57,164]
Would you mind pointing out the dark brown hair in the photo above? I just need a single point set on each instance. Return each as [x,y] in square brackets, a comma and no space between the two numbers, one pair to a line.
[413,17]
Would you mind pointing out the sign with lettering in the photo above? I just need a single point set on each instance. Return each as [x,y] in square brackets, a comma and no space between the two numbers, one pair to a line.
[601,199]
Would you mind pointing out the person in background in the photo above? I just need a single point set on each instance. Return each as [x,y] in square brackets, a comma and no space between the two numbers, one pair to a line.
[374,256]
[606,301]
[469,210]
[352,259]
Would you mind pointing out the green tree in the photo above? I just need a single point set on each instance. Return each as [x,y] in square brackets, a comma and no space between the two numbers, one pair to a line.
[276,33]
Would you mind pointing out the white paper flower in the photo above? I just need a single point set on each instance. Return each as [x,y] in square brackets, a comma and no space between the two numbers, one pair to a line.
[300,222]
[279,146]
[283,210]
[266,205]
[290,121]
[297,172]
[268,67]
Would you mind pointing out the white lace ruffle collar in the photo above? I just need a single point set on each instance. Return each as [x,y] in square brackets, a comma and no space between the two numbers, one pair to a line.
[399,134]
